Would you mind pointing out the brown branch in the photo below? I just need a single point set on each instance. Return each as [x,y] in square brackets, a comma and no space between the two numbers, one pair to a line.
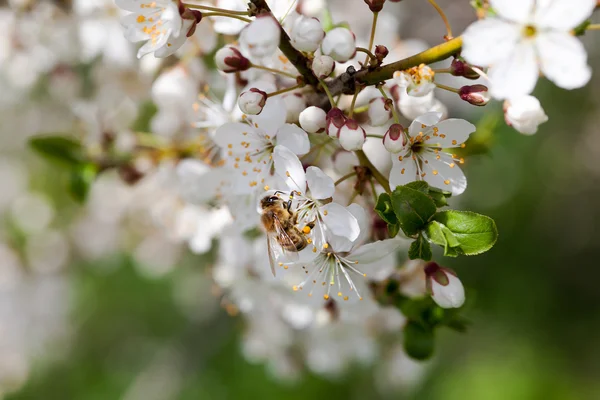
[299,60]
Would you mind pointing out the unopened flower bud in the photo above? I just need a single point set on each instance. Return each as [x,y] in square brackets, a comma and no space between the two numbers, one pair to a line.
[525,114]
[294,104]
[381,52]
[340,44]
[380,110]
[444,286]
[394,139]
[252,101]
[260,38]
[229,59]
[477,95]
[352,136]
[323,66]
[313,119]
[192,15]
[307,34]
[335,120]
[461,68]
[375,5]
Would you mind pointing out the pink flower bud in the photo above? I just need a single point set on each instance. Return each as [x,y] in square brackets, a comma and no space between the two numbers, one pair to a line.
[394,139]
[461,68]
[252,101]
[381,52]
[375,5]
[323,66]
[444,286]
[307,34]
[313,119]
[352,136]
[477,95]
[340,44]
[229,59]
[335,120]
[380,110]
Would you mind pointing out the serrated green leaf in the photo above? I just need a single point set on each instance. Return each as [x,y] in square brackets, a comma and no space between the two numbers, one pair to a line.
[418,341]
[384,209]
[413,209]
[60,149]
[467,232]
[393,229]
[420,249]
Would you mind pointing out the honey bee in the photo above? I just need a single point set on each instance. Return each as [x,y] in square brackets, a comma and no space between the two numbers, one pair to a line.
[283,236]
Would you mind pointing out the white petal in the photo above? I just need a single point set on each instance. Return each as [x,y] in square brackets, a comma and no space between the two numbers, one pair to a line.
[294,138]
[516,75]
[443,173]
[451,133]
[340,221]
[289,167]
[272,116]
[403,172]
[563,15]
[514,10]
[563,59]
[427,119]
[488,41]
[375,251]
[364,221]
[320,184]
[235,135]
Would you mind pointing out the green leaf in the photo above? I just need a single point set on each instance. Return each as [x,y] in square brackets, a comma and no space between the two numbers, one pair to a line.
[60,149]
[418,341]
[420,248]
[439,196]
[393,229]
[413,209]
[384,209]
[81,181]
[421,186]
[462,232]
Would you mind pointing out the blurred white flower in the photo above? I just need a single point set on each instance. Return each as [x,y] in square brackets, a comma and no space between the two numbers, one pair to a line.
[339,44]
[526,37]
[525,114]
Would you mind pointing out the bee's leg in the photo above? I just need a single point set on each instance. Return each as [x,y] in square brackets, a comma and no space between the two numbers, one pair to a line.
[289,203]
[312,223]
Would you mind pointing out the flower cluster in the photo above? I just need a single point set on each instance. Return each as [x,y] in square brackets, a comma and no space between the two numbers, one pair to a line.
[314,162]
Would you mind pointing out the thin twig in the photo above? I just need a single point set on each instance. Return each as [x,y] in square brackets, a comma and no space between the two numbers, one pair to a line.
[289,89]
[372,38]
[356,91]
[343,178]
[217,14]
[444,18]
[365,162]
[216,9]
[275,71]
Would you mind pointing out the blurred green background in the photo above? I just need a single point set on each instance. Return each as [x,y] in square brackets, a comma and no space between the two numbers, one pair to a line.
[533,300]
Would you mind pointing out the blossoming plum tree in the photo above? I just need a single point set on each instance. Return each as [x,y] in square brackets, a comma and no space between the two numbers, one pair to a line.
[313,121]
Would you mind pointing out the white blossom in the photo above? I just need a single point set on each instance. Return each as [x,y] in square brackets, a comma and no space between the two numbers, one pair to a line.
[525,114]
[261,37]
[444,286]
[323,66]
[252,101]
[418,81]
[351,135]
[156,22]
[379,111]
[525,38]
[423,157]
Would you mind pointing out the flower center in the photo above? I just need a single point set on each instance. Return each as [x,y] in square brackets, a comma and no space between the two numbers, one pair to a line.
[529,31]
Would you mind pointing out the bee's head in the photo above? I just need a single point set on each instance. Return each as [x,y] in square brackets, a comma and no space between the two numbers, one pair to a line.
[269,201]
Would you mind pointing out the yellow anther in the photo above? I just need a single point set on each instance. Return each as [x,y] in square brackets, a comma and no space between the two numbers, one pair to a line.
[306,230]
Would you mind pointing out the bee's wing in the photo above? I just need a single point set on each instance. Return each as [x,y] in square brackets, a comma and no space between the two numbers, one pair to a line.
[277,242]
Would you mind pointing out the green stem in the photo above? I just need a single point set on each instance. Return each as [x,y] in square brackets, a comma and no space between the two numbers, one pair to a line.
[444,18]
[343,178]
[326,89]
[593,27]
[365,162]
[217,14]
[289,89]
[374,136]
[351,113]
[216,9]
[448,88]
[275,71]
[394,111]
[372,38]
[373,191]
